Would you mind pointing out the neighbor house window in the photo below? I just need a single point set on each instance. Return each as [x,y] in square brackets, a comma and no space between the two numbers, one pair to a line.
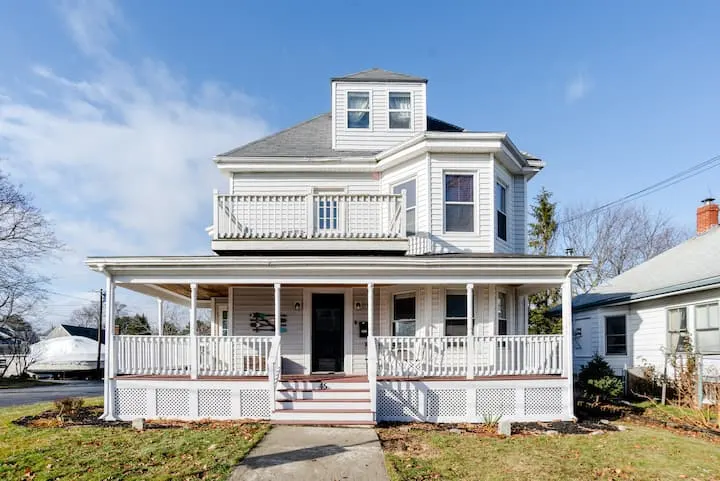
[502,323]
[399,110]
[358,110]
[707,328]
[455,314]
[459,203]
[501,209]
[410,203]
[677,329]
[615,335]
[403,314]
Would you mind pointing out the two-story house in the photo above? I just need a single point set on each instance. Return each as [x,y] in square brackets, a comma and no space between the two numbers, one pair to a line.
[369,264]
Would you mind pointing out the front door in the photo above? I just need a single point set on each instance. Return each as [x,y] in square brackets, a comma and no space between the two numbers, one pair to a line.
[328,318]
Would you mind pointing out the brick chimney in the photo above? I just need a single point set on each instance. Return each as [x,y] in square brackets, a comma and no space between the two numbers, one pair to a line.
[707,215]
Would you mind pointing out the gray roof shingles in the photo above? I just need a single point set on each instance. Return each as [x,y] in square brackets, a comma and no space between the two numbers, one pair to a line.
[379,75]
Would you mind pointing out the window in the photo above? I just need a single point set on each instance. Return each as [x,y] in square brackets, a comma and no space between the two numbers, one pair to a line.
[327,218]
[459,200]
[615,335]
[224,322]
[502,324]
[455,314]
[404,314]
[677,329]
[358,110]
[707,328]
[410,203]
[399,110]
[501,208]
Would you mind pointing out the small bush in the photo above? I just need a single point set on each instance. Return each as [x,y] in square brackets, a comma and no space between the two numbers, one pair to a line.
[68,405]
[597,379]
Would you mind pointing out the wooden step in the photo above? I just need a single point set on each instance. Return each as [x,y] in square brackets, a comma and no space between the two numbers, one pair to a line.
[323,415]
[284,394]
[359,424]
[344,405]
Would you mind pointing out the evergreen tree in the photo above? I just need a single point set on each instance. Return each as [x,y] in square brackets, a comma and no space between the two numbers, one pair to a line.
[542,236]
[133,325]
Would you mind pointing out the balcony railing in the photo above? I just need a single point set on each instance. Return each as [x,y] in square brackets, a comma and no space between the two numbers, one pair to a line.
[310,216]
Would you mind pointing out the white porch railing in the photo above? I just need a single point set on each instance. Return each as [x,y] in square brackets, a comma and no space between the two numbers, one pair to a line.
[233,355]
[447,356]
[311,216]
[156,355]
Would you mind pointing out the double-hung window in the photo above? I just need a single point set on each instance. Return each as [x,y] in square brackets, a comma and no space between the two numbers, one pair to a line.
[455,314]
[501,210]
[358,110]
[677,329]
[403,314]
[410,203]
[502,323]
[459,203]
[707,328]
[399,110]
[615,335]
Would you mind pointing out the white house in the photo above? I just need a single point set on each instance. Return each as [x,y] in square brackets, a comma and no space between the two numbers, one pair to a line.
[369,264]
[645,312]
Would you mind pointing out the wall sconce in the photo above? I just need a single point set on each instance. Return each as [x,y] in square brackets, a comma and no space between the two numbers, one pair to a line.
[358,306]
[298,306]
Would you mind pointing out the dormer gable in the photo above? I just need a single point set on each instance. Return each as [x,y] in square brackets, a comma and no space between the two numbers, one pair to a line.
[375,109]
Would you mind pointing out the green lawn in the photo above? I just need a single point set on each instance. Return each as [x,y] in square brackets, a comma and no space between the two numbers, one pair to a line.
[16,383]
[641,453]
[206,452]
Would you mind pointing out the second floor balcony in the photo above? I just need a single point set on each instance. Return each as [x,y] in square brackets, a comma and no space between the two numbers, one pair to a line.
[323,222]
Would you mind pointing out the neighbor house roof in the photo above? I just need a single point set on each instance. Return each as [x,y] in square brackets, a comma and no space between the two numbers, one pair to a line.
[693,264]
[313,138]
[379,75]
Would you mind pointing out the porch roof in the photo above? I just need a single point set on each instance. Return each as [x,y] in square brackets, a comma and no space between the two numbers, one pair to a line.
[169,277]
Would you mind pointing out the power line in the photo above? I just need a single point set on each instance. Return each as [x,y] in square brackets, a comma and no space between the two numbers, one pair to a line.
[656,187]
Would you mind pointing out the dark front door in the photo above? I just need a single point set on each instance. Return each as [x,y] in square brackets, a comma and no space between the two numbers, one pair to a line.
[328,315]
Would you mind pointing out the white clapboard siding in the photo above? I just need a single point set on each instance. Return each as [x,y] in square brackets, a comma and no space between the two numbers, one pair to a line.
[412,169]
[379,136]
[302,183]
[519,218]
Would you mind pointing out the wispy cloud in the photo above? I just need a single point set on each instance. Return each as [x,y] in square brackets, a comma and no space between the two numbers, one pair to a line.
[577,88]
[121,157]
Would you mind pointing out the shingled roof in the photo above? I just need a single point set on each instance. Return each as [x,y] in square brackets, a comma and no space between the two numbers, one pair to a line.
[379,75]
[313,138]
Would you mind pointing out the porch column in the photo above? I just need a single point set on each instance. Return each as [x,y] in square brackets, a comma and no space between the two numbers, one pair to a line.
[193,332]
[160,316]
[567,355]
[470,347]
[371,310]
[109,365]
[278,315]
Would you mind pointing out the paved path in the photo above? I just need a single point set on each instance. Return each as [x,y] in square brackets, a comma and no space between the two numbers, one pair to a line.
[298,453]
[36,394]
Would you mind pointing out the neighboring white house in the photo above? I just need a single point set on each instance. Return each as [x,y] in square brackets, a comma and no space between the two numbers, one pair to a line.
[645,312]
[369,264]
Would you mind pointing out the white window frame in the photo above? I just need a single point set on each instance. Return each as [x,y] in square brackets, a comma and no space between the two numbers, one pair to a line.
[409,111]
[340,214]
[696,329]
[405,294]
[605,333]
[407,208]
[498,293]
[453,292]
[474,203]
[348,109]
[668,332]
[506,189]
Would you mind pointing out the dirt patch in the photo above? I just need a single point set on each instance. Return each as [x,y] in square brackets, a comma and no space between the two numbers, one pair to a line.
[562,427]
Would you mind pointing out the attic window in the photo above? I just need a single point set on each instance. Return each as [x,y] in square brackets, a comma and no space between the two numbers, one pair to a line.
[358,110]
[399,110]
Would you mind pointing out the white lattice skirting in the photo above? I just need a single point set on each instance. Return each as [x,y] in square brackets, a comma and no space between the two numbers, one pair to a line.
[474,401]
[190,400]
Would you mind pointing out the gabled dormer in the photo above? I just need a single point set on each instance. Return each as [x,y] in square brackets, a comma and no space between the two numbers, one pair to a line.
[376,109]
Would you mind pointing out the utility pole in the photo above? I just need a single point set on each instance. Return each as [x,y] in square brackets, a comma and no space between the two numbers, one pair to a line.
[99,333]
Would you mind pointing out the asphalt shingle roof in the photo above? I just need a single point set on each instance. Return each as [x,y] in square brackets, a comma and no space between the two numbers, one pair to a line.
[379,75]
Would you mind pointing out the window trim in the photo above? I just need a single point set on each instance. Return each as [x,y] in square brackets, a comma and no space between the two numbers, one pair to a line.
[667,324]
[406,293]
[414,208]
[474,203]
[348,109]
[506,189]
[696,330]
[504,292]
[453,292]
[410,111]
[605,333]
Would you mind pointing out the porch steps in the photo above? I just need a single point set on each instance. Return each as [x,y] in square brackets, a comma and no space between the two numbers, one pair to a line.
[323,401]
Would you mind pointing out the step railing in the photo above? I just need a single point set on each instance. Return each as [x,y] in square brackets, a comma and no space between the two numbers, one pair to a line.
[309,216]
[274,369]
[233,355]
[152,355]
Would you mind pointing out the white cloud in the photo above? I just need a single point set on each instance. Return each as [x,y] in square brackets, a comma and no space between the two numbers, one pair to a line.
[120,158]
[577,88]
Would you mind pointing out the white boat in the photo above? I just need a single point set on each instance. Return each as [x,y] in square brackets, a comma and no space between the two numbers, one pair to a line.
[70,354]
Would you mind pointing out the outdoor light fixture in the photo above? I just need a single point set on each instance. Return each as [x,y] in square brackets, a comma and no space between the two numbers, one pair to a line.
[297,306]
[358,306]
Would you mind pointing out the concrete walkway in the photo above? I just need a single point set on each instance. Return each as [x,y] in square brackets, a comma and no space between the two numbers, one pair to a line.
[299,453]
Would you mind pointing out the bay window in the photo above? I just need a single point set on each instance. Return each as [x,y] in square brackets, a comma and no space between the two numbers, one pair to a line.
[459,203]
[410,203]
[501,210]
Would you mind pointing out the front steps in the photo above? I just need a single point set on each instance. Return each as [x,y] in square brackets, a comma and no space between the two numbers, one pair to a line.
[329,401]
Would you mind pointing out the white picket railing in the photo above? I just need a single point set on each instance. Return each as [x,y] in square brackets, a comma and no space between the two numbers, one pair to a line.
[447,356]
[233,355]
[311,216]
[153,355]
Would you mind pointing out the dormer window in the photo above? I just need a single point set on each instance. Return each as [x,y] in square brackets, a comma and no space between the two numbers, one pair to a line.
[358,110]
[399,110]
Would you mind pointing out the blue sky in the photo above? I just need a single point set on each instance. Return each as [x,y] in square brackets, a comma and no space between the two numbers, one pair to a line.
[110,111]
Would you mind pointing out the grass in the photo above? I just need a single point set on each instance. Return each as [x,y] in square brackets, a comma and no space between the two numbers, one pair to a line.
[640,453]
[16,383]
[207,452]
